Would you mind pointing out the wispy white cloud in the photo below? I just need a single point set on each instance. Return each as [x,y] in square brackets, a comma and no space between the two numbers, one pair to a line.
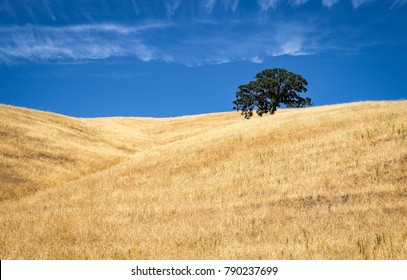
[208,5]
[172,6]
[76,43]
[271,39]
[329,3]
[206,39]
[214,43]
[296,39]
[293,47]
[135,7]
[47,7]
[231,4]
[398,3]
[256,59]
[6,7]
[61,12]
[265,5]
[357,3]
[296,3]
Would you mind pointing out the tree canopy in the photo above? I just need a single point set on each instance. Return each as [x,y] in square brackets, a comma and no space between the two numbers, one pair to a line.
[270,89]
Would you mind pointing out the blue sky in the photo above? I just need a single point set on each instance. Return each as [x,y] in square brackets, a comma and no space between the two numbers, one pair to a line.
[160,58]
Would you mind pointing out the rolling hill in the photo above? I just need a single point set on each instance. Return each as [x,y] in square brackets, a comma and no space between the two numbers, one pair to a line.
[326,182]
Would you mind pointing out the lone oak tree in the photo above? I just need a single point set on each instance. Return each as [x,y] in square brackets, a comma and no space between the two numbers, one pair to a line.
[271,88]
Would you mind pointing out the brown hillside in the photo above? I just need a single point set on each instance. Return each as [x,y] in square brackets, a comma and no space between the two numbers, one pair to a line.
[318,183]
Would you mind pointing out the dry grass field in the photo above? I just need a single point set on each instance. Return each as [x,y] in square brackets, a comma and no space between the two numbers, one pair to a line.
[317,183]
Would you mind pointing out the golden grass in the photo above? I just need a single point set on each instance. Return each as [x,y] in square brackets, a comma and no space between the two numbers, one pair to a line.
[318,183]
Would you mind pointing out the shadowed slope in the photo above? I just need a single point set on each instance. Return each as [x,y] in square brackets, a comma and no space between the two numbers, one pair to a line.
[41,149]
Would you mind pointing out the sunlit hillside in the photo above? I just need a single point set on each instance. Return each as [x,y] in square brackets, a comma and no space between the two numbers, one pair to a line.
[318,183]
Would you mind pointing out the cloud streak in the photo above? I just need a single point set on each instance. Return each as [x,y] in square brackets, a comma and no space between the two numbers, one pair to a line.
[231,4]
[292,47]
[208,5]
[296,3]
[49,11]
[329,3]
[74,43]
[171,35]
[172,6]
[265,5]
[216,43]
[6,7]
[398,3]
[357,3]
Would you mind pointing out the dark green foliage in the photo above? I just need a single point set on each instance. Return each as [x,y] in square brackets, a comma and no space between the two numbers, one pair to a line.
[271,88]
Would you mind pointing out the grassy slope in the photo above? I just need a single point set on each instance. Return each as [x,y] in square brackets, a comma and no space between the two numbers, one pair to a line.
[318,183]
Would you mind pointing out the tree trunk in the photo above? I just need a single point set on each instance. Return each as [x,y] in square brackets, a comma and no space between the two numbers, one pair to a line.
[273,109]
